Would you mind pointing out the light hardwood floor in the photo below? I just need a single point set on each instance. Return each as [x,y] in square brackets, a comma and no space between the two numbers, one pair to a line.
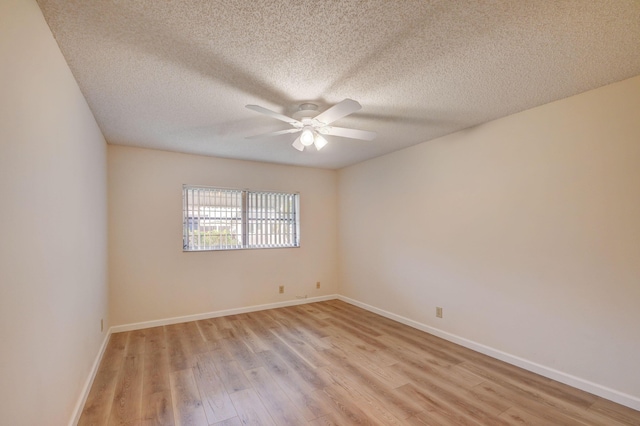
[326,363]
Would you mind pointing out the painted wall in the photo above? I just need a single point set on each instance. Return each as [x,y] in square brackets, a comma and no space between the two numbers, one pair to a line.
[151,278]
[53,223]
[526,230]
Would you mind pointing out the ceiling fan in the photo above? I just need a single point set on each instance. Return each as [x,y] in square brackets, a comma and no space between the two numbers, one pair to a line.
[313,127]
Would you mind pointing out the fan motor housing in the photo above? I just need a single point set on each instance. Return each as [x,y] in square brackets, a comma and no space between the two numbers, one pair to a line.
[306,110]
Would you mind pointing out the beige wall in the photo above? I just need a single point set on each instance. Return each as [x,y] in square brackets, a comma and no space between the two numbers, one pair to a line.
[53,216]
[151,278]
[526,230]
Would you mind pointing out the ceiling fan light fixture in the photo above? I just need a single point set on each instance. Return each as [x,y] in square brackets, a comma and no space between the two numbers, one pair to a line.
[313,127]
[319,142]
[298,145]
[307,137]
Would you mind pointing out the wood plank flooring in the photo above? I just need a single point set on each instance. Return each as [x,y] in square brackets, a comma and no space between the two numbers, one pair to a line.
[326,363]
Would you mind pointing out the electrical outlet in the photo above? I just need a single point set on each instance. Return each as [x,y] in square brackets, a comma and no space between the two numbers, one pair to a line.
[318,284]
[438,312]
[281,289]
[101,325]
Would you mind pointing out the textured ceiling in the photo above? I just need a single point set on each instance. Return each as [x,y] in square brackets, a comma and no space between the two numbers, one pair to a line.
[176,75]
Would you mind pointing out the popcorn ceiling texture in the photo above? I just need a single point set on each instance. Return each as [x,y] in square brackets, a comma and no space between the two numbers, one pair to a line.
[175,75]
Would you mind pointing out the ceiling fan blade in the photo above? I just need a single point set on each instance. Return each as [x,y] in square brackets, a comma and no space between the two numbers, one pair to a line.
[279,132]
[273,114]
[339,110]
[351,133]
[298,145]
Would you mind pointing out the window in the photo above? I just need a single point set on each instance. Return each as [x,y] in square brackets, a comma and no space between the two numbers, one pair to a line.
[227,219]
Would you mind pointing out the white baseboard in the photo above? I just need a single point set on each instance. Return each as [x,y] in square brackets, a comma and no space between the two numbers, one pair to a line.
[77,410]
[582,384]
[214,314]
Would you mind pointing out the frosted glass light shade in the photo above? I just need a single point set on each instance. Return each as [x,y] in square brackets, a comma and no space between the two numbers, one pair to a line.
[306,137]
[320,142]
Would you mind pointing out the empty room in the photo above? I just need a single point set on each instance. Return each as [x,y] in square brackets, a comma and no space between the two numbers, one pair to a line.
[319,212]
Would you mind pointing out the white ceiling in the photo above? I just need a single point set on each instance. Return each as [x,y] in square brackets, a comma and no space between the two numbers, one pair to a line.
[176,75]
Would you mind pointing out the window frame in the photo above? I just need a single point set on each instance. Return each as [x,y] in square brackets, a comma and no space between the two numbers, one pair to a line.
[244,219]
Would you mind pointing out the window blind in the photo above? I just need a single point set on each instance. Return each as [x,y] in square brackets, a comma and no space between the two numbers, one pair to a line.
[227,219]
